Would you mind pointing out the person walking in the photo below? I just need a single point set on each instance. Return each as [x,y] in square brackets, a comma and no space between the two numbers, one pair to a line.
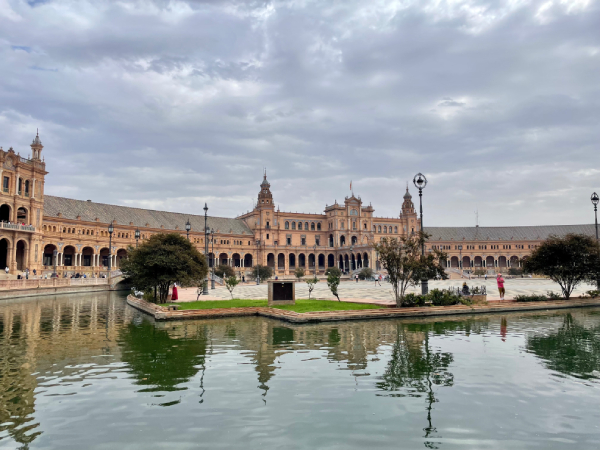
[198,293]
[6,270]
[501,289]
[356,276]
[174,296]
[486,277]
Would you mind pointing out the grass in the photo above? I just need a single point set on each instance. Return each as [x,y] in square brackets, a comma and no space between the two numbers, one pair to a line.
[301,306]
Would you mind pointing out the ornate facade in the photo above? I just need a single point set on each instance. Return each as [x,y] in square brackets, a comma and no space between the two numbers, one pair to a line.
[39,231]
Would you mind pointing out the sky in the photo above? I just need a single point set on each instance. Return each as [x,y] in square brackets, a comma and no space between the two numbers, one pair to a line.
[170,104]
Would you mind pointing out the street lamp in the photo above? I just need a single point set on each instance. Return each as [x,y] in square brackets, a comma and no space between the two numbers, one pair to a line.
[460,256]
[111,228]
[55,257]
[212,240]
[420,182]
[595,200]
[377,260]
[137,237]
[205,285]
[257,265]
[188,227]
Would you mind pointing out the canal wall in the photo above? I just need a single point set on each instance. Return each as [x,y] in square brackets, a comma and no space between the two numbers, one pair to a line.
[9,294]
[161,313]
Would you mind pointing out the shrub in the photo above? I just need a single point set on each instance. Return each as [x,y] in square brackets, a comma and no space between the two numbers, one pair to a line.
[365,273]
[265,272]
[224,271]
[531,298]
[412,299]
[230,284]
[554,295]
[591,294]
[515,271]
[299,273]
[443,298]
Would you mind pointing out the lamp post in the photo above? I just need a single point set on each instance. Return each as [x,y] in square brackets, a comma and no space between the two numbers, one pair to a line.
[55,257]
[420,182]
[595,200]
[257,264]
[205,285]
[212,240]
[377,260]
[137,237]
[111,228]
[188,227]
[460,256]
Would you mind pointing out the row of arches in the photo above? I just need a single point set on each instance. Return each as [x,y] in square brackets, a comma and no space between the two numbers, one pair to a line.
[384,230]
[236,260]
[292,224]
[483,262]
[6,214]
[347,262]
[68,256]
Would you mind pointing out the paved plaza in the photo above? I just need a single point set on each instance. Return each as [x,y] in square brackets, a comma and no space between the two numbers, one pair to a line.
[367,291]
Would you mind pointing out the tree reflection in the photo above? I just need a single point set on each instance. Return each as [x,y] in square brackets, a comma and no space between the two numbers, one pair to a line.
[415,368]
[572,350]
[160,361]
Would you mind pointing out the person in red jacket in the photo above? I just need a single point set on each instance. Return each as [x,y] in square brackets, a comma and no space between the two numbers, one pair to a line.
[174,296]
[501,289]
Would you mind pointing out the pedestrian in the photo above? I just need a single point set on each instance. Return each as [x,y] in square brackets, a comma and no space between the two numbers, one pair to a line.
[174,296]
[486,277]
[6,270]
[501,289]
[243,279]
[34,272]
[199,293]
[356,276]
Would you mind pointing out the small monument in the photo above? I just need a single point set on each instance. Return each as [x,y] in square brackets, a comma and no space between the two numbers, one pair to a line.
[282,292]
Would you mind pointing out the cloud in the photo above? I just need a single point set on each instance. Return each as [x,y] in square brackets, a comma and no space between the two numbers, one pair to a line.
[174,103]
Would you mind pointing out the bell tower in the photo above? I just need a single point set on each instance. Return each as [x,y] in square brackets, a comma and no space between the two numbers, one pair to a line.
[265,198]
[36,147]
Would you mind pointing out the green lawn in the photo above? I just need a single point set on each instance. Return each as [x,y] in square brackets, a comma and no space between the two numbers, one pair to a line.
[301,306]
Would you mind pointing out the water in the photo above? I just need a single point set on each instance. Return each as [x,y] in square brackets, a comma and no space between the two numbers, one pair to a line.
[89,372]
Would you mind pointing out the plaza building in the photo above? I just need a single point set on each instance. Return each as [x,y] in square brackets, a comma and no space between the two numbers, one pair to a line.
[42,232]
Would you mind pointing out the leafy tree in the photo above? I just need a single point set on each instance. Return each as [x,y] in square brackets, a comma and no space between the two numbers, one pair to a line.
[365,273]
[514,271]
[230,284]
[567,260]
[299,273]
[264,272]
[334,270]
[406,266]
[311,284]
[479,272]
[333,281]
[224,271]
[163,260]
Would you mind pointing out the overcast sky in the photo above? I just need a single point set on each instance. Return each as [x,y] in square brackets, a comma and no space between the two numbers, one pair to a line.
[168,104]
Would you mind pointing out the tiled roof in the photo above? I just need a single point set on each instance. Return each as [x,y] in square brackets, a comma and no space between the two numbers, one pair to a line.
[532,233]
[123,215]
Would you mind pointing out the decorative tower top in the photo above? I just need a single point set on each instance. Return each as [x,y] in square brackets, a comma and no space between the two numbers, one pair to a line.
[265,198]
[36,147]
[407,206]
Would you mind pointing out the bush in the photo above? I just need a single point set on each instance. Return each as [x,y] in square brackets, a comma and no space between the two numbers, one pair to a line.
[592,294]
[412,299]
[531,298]
[265,272]
[514,271]
[334,270]
[299,273]
[443,298]
[224,271]
[554,295]
[366,273]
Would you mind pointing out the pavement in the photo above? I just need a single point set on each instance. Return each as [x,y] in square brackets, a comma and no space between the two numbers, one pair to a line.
[368,292]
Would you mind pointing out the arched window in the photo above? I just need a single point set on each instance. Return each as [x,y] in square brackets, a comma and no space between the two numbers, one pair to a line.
[64,230]
[299,225]
[374,228]
[380,228]
[365,225]
[395,229]
[318,227]
[287,225]
[306,226]
[312,226]
[293,225]
[354,225]
[354,212]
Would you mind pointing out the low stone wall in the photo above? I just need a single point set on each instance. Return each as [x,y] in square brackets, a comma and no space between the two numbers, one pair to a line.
[160,313]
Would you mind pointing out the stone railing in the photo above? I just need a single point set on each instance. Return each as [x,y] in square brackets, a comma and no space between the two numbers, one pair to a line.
[18,227]
[50,282]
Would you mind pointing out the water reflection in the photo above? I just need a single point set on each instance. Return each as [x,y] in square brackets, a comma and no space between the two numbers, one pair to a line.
[307,385]
[573,349]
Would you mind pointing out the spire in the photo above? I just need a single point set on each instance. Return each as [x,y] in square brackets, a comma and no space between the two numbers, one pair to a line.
[36,145]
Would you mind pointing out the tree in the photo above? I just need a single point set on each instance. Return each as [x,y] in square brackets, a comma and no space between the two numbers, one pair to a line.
[333,281]
[567,260]
[163,260]
[264,272]
[479,272]
[224,271]
[334,270]
[230,284]
[365,273]
[299,273]
[406,266]
[311,285]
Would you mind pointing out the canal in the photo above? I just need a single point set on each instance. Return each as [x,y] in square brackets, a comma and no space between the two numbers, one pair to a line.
[89,372]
